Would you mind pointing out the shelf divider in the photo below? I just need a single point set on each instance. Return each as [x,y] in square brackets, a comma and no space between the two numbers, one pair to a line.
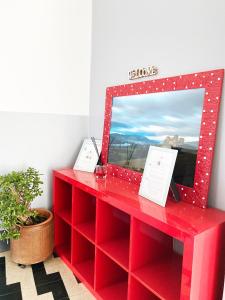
[162,277]
[118,250]
[87,229]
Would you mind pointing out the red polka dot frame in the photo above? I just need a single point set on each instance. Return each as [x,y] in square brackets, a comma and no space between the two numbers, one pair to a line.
[211,81]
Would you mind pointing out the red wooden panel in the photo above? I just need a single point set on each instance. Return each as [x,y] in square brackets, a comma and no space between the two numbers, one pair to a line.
[83,257]
[84,207]
[118,250]
[87,229]
[148,244]
[111,279]
[63,199]
[208,266]
[162,276]
[112,223]
[139,291]
[62,235]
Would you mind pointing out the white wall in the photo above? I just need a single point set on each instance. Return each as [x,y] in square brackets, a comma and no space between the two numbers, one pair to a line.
[176,36]
[45,56]
[42,141]
[44,84]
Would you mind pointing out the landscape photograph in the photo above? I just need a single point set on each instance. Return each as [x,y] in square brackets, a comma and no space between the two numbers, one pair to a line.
[167,119]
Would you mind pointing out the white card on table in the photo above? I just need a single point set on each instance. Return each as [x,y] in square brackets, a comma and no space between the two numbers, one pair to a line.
[157,174]
[87,157]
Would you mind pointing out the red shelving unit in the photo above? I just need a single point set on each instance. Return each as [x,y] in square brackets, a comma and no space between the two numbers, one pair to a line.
[120,245]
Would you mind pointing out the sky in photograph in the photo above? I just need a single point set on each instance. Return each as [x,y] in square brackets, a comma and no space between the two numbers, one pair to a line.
[158,115]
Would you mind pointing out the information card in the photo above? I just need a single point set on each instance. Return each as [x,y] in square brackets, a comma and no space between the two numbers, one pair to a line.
[157,174]
[87,157]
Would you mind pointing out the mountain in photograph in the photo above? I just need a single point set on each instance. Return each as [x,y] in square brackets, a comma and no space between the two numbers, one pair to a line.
[191,145]
[116,138]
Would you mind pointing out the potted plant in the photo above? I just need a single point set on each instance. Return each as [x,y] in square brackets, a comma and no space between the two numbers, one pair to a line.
[30,230]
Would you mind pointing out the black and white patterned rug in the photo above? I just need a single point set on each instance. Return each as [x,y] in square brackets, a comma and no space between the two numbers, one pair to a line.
[43,281]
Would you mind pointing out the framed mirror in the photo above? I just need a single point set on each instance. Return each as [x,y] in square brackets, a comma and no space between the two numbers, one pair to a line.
[178,112]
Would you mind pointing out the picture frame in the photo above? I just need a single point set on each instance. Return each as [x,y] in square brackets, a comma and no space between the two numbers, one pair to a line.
[157,174]
[211,82]
[88,157]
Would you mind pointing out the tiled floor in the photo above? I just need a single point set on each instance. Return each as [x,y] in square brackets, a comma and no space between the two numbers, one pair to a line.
[44,281]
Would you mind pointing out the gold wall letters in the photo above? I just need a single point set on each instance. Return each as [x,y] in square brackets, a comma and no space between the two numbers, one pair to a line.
[143,72]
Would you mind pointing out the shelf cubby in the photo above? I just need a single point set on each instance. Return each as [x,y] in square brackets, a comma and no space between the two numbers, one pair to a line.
[63,200]
[111,279]
[113,233]
[139,291]
[63,239]
[154,262]
[84,213]
[83,257]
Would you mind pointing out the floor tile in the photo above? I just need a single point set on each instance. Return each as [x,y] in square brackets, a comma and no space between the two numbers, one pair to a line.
[51,280]
[13,296]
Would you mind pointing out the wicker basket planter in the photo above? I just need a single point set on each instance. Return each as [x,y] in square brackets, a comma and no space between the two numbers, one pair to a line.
[35,243]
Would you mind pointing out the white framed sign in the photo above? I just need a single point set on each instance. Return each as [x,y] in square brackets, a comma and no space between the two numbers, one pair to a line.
[87,157]
[157,174]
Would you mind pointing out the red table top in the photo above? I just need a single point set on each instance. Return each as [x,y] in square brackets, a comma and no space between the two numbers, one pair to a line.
[180,219]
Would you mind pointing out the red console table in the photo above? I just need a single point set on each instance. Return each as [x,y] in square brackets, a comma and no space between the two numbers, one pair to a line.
[120,245]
